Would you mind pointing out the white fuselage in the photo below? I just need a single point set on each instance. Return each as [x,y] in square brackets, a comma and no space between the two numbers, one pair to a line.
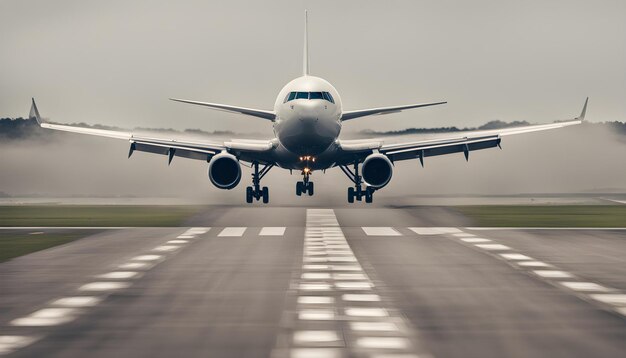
[308,121]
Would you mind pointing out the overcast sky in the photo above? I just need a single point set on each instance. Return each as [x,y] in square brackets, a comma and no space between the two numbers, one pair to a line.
[117,62]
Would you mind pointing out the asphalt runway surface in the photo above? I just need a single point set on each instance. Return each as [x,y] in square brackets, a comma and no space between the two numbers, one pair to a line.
[316,282]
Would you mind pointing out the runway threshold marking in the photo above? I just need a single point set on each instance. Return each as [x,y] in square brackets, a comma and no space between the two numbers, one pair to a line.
[232,232]
[608,297]
[338,310]
[66,309]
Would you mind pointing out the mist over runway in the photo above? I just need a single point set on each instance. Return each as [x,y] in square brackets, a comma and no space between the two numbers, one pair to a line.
[319,282]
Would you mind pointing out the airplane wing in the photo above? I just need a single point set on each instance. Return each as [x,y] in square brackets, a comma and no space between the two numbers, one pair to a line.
[270,115]
[347,115]
[454,143]
[246,150]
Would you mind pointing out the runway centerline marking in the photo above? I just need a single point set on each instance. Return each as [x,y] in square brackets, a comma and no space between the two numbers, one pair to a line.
[333,291]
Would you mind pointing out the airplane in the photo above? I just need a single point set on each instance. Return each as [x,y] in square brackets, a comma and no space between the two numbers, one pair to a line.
[307,119]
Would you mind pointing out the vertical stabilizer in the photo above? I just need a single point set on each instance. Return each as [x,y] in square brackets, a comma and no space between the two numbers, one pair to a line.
[305,54]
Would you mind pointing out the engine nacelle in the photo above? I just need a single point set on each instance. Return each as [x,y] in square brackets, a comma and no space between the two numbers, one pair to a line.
[377,170]
[224,171]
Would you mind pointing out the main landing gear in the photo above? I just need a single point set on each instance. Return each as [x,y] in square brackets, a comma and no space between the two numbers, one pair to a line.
[305,186]
[357,192]
[255,191]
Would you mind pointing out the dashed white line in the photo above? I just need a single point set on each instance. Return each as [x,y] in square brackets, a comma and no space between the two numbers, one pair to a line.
[119,275]
[232,232]
[552,273]
[533,264]
[374,326]
[382,342]
[166,248]
[134,265]
[380,231]
[515,257]
[584,286]
[493,247]
[147,257]
[272,231]
[360,297]
[316,314]
[613,299]
[316,300]
[366,312]
[434,230]
[9,344]
[300,337]
[104,286]
[77,301]
[475,240]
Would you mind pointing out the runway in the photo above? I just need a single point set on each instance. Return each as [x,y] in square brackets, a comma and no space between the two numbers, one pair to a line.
[319,282]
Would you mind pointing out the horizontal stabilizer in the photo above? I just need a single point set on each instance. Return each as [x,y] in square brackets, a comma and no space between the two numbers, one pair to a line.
[347,115]
[233,109]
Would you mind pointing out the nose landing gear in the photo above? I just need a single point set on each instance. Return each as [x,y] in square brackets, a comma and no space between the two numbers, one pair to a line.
[255,191]
[357,192]
[305,186]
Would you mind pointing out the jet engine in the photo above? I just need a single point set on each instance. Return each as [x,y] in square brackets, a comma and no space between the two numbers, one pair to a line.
[224,171]
[377,170]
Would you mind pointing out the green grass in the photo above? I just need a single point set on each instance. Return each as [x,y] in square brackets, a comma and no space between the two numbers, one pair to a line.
[95,215]
[546,215]
[18,244]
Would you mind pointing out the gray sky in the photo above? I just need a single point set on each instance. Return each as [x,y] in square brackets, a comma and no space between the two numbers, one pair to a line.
[117,62]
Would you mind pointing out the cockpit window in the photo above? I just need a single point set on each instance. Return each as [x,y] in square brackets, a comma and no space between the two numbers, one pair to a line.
[309,95]
[316,95]
[328,97]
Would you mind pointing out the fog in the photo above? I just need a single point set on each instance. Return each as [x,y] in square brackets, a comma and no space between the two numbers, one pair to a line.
[586,158]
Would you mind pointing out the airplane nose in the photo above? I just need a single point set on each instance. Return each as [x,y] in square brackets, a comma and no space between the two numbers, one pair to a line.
[309,112]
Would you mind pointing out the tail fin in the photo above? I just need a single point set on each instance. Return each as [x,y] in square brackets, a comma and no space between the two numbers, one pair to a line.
[34,113]
[305,59]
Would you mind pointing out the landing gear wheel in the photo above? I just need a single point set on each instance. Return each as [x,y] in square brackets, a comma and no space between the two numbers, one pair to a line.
[299,188]
[249,195]
[310,188]
[351,195]
[265,193]
[369,195]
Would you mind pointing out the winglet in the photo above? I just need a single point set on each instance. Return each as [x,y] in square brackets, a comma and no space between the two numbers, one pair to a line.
[584,111]
[305,52]
[34,113]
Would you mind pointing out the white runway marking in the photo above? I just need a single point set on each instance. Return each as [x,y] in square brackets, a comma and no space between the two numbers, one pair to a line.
[317,315]
[354,285]
[232,232]
[300,337]
[474,240]
[118,275]
[434,230]
[46,317]
[104,286]
[134,266]
[544,228]
[166,248]
[382,342]
[186,236]
[612,299]
[533,264]
[515,257]
[463,234]
[330,268]
[315,276]
[373,326]
[493,247]
[176,242]
[77,301]
[360,297]
[366,312]
[552,274]
[9,344]
[273,231]
[147,257]
[316,353]
[380,231]
[316,300]
[584,286]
